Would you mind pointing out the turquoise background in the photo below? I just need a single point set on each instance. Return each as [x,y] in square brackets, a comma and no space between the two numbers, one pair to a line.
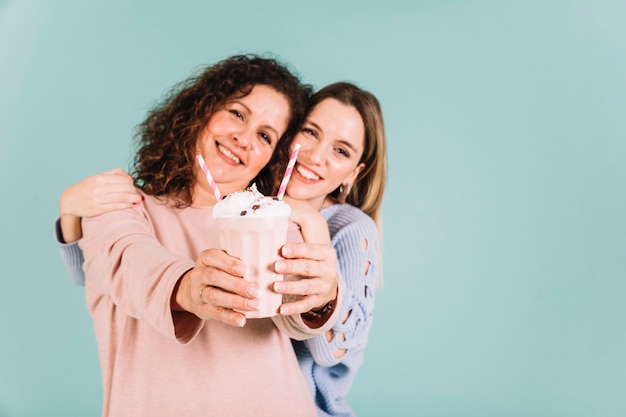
[504,221]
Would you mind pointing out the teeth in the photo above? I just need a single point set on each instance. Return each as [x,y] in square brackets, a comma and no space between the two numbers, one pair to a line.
[306,173]
[228,153]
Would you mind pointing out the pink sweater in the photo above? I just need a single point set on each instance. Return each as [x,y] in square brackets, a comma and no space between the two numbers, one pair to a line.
[158,363]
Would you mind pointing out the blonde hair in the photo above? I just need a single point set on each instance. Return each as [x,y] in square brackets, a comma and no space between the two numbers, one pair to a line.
[369,187]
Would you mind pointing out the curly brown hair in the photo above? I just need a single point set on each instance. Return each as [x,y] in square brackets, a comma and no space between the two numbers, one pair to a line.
[164,162]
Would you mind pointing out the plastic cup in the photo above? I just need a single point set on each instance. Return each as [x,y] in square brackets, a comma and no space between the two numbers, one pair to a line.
[257,241]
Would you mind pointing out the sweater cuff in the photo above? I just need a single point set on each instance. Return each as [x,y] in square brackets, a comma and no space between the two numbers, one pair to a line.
[57,232]
[322,350]
[186,325]
[71,255]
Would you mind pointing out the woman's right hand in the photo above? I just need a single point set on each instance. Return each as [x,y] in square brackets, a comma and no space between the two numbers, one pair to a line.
[312,223]
[95,195]
[214,288]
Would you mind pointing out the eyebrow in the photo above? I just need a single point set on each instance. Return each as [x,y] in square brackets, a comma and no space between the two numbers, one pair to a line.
[268,127]
[342,141]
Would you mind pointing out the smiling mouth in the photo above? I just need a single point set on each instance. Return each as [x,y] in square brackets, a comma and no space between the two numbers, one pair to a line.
[228,154]
[306,173]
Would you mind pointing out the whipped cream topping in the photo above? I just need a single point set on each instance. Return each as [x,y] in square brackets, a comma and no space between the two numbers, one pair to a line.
[250,203]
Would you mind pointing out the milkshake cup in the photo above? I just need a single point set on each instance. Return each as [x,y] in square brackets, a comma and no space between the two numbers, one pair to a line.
[253,228]
[257,241]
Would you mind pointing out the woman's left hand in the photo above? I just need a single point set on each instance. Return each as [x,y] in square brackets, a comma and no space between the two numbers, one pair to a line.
[316,264]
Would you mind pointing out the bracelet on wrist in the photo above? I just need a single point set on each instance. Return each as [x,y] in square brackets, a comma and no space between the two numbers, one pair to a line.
[314,315]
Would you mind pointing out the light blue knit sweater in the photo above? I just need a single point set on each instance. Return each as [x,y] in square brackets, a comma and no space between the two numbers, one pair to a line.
[355,239]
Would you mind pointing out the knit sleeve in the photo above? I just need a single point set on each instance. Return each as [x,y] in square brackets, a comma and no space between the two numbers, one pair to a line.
[71,256]
[356,243]
[295,328]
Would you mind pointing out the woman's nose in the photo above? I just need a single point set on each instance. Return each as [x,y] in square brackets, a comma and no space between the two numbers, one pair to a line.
[243,137]
[316,153]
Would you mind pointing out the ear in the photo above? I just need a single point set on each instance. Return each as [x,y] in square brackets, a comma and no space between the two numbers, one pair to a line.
[354,174]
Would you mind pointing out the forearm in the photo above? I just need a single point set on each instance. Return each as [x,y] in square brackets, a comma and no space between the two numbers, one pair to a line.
[348,337]
[69,221]
[125,263]
[70,227]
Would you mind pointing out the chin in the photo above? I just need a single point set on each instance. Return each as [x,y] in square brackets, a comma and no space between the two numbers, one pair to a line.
[297,193]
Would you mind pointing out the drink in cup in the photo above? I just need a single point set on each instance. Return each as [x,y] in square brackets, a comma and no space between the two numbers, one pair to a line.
[253,228]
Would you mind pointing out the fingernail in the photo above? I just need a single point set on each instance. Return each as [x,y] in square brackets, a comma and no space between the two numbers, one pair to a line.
[279,266]
[241,322]
[240,270]
[253,291]
[287,251]
[253,303]
[279,286]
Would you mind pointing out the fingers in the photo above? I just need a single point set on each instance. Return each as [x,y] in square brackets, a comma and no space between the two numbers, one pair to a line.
[104,202]
[114,183]
[316,292]
[298,307]
[307,251]
[99,193]
[226,316]
[218,288]
[203,309]
[217,258]
[112,190]
[126,197]
[305,286]
[316,265]
[215,304]
[306,267]
[217,297]
[107,207]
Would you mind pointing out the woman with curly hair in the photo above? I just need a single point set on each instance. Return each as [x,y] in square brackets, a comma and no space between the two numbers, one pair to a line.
[170,338]
[339,177]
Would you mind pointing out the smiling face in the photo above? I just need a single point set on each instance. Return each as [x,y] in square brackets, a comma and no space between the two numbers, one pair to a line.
[239,140]
[332,140]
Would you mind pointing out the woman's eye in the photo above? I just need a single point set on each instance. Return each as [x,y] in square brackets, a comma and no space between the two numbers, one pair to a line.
[265,137]
[236,114]
[342,152]
[310,132]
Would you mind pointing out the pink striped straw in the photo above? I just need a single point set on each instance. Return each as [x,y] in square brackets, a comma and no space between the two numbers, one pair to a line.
[209,177]
[288,171]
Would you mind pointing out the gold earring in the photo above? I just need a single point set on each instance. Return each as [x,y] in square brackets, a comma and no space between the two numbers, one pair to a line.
[344,191]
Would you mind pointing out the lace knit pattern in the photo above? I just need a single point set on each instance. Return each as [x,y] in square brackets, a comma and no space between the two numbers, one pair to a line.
[330,366]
